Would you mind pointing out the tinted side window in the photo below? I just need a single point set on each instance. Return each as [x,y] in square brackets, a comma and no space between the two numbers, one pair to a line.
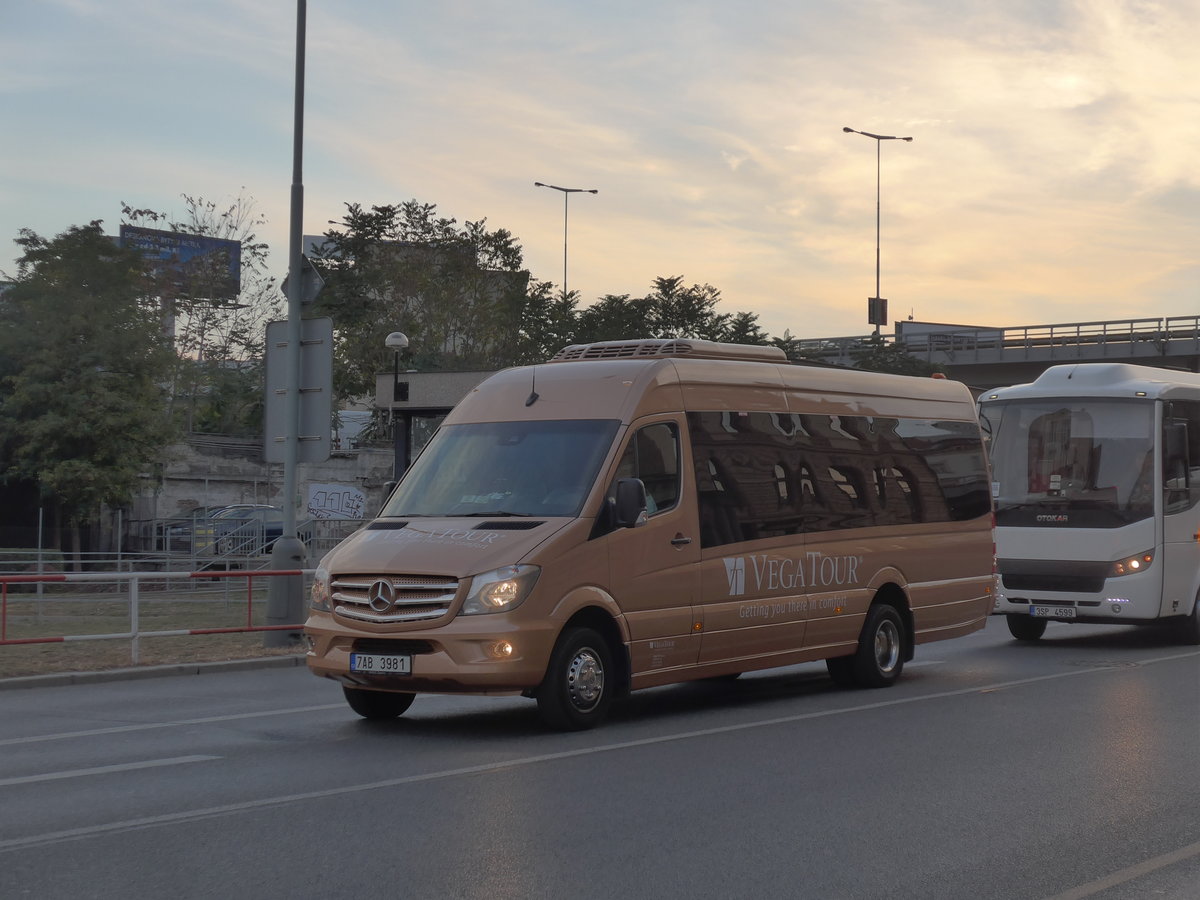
[652,455]
[766,474]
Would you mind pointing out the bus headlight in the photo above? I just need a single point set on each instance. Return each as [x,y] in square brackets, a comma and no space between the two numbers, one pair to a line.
[319,597]
[500,590]
[1131,565]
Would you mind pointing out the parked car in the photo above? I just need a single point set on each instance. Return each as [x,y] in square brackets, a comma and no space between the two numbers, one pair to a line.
[179,533]
[243,529]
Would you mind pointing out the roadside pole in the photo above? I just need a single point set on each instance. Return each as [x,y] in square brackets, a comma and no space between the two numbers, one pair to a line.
[285,598]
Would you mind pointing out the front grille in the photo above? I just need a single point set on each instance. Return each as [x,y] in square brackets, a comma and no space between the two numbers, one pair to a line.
[389,599]
[1077,584]
[379,645]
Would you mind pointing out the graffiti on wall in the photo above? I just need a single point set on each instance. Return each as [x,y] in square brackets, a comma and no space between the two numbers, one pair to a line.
[335,501]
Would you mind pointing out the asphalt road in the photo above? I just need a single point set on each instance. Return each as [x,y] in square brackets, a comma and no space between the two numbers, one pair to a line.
[1065,769]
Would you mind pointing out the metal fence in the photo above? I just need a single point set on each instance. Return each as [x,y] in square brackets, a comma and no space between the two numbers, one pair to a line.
[139,588]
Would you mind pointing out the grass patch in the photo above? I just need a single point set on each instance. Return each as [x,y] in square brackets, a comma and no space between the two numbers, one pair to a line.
[63,615]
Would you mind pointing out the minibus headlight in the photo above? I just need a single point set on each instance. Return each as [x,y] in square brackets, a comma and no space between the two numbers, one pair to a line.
[319,597]
[500,590]
[1131,565]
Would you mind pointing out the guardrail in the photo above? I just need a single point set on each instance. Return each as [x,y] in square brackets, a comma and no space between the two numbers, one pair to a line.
[1159,337]
[135,581]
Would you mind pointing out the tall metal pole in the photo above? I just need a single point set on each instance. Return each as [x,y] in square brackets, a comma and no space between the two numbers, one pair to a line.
[878,144]
[285,596]
[566,192]
[879,139]
[566,197]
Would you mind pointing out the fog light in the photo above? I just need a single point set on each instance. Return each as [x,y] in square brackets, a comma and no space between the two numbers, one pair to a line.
[501,650]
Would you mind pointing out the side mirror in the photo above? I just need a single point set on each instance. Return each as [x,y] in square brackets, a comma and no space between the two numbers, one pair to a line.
[629,505]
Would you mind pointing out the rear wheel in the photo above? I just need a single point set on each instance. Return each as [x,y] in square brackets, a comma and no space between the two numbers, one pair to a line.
[377,704]
[578,686]
[1026,628]
[879,658]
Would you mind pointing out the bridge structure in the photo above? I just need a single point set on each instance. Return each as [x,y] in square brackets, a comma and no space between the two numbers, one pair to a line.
[986,357]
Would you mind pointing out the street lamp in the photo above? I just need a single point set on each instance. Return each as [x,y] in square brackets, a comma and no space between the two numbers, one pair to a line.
[566,192]
[876,306]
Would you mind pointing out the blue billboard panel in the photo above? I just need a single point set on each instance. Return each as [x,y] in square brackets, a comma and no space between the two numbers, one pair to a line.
[190,265]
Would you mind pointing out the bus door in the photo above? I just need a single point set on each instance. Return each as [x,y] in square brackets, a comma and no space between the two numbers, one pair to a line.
[653,568]
[1181,506]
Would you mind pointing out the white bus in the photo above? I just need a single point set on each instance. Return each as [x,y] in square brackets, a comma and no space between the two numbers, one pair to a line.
[1096,486]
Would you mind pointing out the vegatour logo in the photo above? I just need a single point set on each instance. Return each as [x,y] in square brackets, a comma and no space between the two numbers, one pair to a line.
[735,571]
[813,570]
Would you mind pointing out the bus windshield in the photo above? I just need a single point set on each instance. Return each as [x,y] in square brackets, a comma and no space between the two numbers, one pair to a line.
[539,468]
[1080,462]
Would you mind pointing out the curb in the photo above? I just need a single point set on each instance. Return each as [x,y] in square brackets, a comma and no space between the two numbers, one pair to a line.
[134,673]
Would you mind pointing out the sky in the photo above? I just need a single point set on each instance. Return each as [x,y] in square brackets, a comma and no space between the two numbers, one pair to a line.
[1053,176]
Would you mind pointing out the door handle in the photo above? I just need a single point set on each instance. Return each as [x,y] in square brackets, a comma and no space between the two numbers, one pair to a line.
[680,540]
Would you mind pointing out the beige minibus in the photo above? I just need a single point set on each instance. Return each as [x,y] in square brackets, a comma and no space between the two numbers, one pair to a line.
[640,513]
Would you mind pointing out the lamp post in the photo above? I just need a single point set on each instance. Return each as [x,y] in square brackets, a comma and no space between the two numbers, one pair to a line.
[566,192]
[877,306]
[397,341]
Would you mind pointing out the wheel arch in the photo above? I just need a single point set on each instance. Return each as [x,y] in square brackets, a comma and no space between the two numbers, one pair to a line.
[602,622]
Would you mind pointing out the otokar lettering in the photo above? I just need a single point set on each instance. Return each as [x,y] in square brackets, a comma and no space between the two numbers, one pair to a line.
[771,573]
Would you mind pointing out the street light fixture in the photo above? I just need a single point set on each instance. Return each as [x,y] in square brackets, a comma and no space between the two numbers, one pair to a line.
[876,306]
[566,192]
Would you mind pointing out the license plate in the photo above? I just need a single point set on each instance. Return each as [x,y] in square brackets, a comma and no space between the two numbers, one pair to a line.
[381,663]
[1052,612]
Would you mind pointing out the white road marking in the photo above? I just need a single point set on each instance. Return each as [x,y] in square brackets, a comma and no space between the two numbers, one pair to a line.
[1129,873]
[105,770]
[147,726]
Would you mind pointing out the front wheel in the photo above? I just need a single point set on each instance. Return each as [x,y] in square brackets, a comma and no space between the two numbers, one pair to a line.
[1025,628]
[377,704]
[578,687]
[879,658]
[1189,628]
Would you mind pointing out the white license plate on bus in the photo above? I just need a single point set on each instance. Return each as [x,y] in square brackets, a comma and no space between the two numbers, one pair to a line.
[381,663]
[1052,612]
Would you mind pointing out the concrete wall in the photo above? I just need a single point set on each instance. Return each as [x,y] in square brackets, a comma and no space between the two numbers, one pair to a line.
[224,471]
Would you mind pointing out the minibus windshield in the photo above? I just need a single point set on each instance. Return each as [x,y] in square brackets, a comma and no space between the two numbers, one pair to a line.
[532,468]
[1082,462]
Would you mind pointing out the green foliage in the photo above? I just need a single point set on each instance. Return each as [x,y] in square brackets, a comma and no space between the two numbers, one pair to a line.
[458,292]
[670,310]
[877,355]
[83,358]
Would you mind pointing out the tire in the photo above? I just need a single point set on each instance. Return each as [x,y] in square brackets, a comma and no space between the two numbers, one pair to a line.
[578,687]
[1025,628]
[1189,628]
[879,659]
[378,704]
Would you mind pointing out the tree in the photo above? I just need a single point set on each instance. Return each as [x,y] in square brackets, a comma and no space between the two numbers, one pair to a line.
[614,317]
[217,379]
[458,292]
[743,328]
[83,357]
[679,312]
[549,322]
[876,355]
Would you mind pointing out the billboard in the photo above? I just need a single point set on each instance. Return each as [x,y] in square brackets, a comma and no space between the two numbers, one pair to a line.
[189,265]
